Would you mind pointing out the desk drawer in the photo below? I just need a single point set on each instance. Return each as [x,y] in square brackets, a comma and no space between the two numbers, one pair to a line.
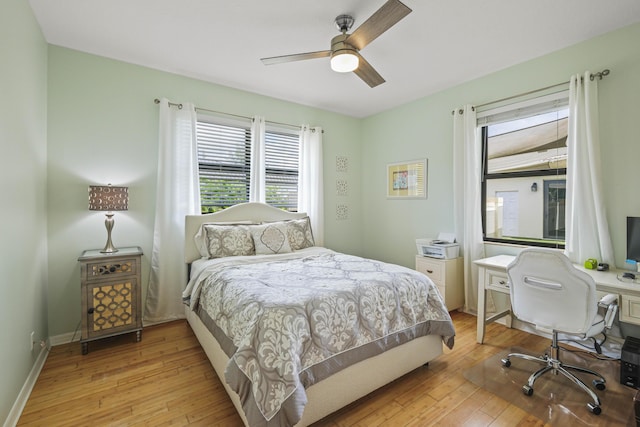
[497,280]
[630,309]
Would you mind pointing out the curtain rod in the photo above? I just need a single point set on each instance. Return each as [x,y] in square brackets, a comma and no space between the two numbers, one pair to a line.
[157,101]
[599,75]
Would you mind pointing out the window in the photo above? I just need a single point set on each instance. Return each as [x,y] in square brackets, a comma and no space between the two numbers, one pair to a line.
[281,163]
[224,164]
[524,174]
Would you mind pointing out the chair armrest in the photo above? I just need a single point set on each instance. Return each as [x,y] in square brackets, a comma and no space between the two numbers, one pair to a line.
[610,302]
[607,300]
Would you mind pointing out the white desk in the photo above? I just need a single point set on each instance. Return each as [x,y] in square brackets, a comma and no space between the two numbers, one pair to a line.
[492,276]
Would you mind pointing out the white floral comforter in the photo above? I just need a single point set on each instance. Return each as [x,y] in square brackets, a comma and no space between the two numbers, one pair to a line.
[290,320]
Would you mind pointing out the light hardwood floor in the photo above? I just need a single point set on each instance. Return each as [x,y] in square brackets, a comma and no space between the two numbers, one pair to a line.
[166,379]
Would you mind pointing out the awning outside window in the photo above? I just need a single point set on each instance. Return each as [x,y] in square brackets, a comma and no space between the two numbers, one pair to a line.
[538,147]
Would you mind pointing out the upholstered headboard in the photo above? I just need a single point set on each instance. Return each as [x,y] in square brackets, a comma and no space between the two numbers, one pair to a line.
[245,212]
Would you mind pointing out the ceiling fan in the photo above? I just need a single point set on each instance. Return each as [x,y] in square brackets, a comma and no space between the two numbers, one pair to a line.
[344,52]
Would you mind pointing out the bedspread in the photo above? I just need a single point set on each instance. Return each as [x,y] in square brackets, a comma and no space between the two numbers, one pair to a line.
[289,321]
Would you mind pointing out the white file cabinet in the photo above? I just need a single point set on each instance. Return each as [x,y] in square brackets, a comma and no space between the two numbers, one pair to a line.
[448,276]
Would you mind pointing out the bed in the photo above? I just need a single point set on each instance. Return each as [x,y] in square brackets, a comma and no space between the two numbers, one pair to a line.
[294,364]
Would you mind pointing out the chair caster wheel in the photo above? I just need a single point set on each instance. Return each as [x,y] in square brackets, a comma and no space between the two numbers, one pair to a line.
[528,391]
[506,362]
[599,384]
[594,408]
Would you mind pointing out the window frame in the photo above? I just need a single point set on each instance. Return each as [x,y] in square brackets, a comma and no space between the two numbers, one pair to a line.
[485,175]
[272,134]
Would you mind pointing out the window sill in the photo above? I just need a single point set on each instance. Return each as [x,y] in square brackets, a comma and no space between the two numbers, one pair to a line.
[522,244]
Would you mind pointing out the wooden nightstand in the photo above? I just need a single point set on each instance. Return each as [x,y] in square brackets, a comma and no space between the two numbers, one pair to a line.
[448,276]
[111,294]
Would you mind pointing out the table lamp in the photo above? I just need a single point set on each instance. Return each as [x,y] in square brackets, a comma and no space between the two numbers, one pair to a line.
[108,198]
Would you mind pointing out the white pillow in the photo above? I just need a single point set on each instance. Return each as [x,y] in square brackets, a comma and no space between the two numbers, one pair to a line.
[270,238]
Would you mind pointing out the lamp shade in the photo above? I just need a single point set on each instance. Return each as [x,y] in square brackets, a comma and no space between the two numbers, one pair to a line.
[108,198]
[344,61]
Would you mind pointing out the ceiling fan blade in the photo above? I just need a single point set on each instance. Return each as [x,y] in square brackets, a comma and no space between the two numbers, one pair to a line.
[295,57]
[384,18]
[367,73]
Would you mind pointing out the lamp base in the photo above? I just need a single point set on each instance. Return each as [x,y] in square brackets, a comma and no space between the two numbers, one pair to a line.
[108,223]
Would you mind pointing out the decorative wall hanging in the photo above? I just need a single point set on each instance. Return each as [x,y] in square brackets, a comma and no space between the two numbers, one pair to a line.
[407,180]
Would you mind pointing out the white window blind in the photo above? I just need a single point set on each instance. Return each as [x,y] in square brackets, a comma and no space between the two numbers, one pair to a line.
[527,108]
[224,163]
[281,158]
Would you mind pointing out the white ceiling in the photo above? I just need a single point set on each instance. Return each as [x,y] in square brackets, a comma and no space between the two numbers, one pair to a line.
[439,45]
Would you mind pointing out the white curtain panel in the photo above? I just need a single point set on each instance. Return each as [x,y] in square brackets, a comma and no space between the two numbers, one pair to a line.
[178,194]
[310,188]
[257,182]
[467,172]
[587,229]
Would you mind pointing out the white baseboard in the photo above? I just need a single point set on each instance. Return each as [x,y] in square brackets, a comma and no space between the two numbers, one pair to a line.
[23,396]
[64,338]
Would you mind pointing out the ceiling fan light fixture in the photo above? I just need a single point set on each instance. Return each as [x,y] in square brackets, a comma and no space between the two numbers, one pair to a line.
[345,48]
[344,61]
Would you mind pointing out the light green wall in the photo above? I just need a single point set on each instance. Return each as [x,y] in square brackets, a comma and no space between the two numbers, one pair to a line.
[23,166]
[103,128]
[424,129]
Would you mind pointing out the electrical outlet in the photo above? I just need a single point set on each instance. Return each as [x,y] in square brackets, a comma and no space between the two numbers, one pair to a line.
[32,336]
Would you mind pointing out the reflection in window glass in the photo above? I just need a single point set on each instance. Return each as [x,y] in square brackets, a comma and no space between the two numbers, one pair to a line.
[555,193]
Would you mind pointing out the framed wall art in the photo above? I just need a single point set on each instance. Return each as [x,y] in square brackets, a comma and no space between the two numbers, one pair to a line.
[407,180]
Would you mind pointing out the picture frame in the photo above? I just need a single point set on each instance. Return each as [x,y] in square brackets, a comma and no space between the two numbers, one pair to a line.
[407,180]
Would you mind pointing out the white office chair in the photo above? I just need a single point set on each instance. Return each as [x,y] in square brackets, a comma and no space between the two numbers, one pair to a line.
[549,292]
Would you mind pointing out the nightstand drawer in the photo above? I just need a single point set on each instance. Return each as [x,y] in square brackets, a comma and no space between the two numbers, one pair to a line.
[434,270]
[111,269]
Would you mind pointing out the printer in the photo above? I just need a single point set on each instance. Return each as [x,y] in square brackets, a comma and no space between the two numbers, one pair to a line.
[443,247]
